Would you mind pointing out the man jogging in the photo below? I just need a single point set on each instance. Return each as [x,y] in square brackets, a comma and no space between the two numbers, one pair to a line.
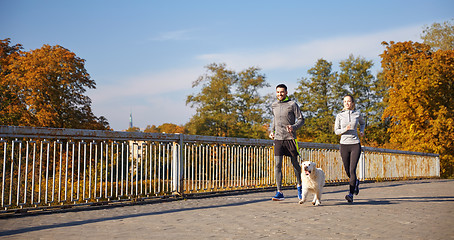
[287,119]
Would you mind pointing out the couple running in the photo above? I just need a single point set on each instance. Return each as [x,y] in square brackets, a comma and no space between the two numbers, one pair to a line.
[287,118]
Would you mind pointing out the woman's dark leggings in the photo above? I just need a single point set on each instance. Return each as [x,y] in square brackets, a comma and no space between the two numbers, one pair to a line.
[350,154]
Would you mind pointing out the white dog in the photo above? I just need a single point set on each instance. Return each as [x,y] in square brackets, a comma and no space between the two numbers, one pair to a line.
[313,180]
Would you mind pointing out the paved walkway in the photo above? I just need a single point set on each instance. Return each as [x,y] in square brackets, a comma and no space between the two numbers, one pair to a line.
[420,209]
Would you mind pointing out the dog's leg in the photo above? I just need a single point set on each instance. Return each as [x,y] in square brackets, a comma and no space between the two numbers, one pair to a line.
[317,197]
[303,196]
[314,201]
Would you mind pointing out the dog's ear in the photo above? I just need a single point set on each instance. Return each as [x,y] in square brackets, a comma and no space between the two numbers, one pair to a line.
[314,164]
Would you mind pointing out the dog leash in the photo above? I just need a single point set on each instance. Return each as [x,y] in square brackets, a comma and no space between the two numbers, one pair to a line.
[295,144]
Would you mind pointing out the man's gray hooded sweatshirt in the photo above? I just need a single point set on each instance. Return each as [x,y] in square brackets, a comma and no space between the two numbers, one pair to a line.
[345,118]
[286,112]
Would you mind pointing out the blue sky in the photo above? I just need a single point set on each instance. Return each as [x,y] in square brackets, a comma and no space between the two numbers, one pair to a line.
[144,55]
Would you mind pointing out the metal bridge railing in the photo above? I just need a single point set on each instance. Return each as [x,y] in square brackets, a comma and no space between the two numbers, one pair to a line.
[47,167]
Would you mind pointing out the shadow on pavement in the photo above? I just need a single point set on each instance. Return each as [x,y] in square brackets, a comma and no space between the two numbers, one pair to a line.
[387,201]
[327,202]
[82,222]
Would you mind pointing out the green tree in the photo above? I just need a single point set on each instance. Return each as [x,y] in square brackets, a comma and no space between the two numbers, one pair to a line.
[250,104]
[220,112]
[439,36]
[46,89]
[355,78]
[377,128]
[316,98]
[215,113]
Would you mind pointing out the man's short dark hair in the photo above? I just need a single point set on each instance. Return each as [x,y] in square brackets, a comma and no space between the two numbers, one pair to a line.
[282,86]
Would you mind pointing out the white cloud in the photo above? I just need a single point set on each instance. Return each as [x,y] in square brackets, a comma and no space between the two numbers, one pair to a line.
[153,98]
[174,35]
[157,97]
[282,58]
[148,111]
[149,84]
[306,54]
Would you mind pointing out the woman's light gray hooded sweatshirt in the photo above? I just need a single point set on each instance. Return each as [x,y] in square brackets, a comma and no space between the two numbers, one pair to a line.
[345,118]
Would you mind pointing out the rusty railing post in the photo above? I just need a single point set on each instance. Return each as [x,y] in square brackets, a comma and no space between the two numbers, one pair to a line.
[177,165]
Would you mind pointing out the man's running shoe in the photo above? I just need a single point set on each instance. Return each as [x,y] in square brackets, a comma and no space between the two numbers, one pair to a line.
[356,187]
[300,192]
[349,197]
[278,197]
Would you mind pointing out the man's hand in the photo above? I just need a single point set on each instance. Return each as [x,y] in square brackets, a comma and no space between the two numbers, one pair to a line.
[289,128]
[271,135]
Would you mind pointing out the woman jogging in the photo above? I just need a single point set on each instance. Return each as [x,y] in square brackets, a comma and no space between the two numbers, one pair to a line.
[350,147]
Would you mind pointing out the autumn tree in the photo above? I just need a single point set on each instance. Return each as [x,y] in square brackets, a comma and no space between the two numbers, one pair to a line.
[316,98]
[46,89]
[11,110]
[421,99]
[165,128]
[439,36]
[223,112]
[133,129]
[151,129]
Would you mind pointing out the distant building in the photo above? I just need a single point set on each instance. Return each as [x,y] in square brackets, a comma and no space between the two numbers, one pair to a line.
[130,120]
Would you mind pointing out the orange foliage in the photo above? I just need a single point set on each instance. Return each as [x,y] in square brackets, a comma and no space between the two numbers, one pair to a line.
[421,97]
[46,88]
[165,128]
[171,128]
